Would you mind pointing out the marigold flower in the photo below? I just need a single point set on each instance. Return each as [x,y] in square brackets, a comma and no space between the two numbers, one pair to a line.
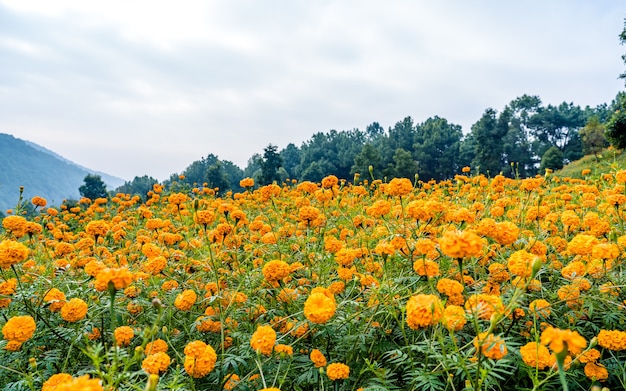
[185,300]
[591,355]
[308,214]
[560,340]
[484,305]
[491,346]
[276,270]
[319,308]
[425,267]
[74,310]
[521,263]
[263,340]
[596,372]
[378,208]
[285,349]
[399,187]
[318,358]
[83,383]
[337,371]
[612,339]
[120,277]
[329,181]
[582,244]
[246,182]
[449,287]
[123,335]
[54,380]
[453,317]
[12,253]
[537,356]
[200,359]
[156,363]
[39,201]
[156,346]
[16,225]
[506,233]
[19,328]
[97,228]
[540,307]
[460,244]
[423,311]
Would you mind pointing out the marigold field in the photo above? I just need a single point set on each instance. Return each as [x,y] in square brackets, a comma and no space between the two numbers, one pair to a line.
[475,283]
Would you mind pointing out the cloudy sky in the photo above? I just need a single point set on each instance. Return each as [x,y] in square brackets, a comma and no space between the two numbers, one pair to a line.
[136,87]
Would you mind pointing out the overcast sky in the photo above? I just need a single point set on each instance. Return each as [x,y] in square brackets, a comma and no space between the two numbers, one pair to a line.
[137,87]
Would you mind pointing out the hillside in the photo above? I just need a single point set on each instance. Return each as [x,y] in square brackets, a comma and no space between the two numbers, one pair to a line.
[610,160]
[41,172]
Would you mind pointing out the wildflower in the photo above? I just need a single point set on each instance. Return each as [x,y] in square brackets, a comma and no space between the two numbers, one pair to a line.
[74,310]
[185,300]
[123,335]
[490,346]
[156,363]
[318,358]
[612,339]
[275,270]
[460,244]
[596,372]
[319,307]
[423,310]
[19,328]
[537,356]
[83,383]
[55,380]
[399,187]
[563,340]
[263,340]
[12,252]
[200,359]
[337,371]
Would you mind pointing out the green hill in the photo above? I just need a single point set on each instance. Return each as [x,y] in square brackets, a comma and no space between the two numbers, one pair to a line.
[609,161]
[42,173]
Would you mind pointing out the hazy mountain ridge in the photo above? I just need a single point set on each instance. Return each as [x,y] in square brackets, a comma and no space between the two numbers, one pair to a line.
[42,172]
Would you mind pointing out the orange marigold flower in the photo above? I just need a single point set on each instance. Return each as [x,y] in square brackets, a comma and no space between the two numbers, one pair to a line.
[56,298]
[120,277]
[16,225]
[12,253]
[484,305]
[319,307]
[308,214]
[318,358]
[83,383]
[449,287]
[337,371]
[559,340]
[74,310]
[200,359]
[423,311]
[329,181]
[205,217]
[537,356]
[39,201]
[185,300]
[454,317]
[19,328]
[491,346]
[582,244]
[540,307]
[612,339]
[276,270]
[521,263]
[574,270]
[263,340]
[425,267]
[460,244]
[97,228]
[123,335]
[379,208]
[506,233]
[156,346]
[231,380]
[54,380]
[591,355]
[596,372]
[285,349]
[156,363]
[246,182]
[399,187]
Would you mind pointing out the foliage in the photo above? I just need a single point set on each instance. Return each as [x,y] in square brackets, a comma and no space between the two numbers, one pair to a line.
[138,186]
[616,126]
[93,187]
[552,160]
[270,164]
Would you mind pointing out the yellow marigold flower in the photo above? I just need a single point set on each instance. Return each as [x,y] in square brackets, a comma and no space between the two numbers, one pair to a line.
[460,244]
[506,233]
[246,182]
[337,371]
[425,267]
[318,358]
[454,317]
[16,225]
[620,176]
[55,380]
[612,339]
[185,300]
[156,346]
[150,250]
[276,270]
[263,340]
[231,380]
[97,228]
[308,214]
[156,363]
[521,263]
[120,277]
[12,253]
[378,208]
[423,311]
[123,335]
[200,359]
[83,383]
[559,340]
[319,308]
[399,187]
[491,346]
[74,310]
[329,181]
[591,355]
[596,372]
[582,244]
[282,348]
[574,270]
[537,356]
[270,389]
[484,305]
[449,287]
[39,201]
[19,328]
[540,307]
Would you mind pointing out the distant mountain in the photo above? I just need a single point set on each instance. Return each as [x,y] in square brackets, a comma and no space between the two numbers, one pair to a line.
[41,172]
